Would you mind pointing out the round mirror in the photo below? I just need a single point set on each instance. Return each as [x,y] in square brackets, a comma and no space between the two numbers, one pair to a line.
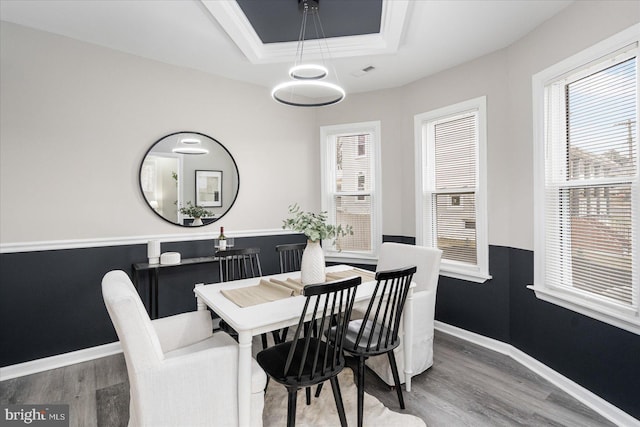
[189,179]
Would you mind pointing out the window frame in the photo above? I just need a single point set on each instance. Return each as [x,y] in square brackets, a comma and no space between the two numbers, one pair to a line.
[328,137]
[478,273]
[583,63]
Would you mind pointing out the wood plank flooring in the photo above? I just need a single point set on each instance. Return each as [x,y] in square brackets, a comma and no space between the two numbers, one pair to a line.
[467,386]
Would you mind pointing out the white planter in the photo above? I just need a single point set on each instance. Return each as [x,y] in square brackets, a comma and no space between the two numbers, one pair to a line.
[196,221]
[312,265]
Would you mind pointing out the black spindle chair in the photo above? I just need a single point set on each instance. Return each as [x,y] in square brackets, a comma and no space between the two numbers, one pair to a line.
[241,263]
[236,264]
[290,257]
[315,354]
[377,332]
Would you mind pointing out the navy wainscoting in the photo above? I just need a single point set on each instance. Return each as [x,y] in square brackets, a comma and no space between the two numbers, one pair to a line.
[482,308]
[51,301]
[601,358]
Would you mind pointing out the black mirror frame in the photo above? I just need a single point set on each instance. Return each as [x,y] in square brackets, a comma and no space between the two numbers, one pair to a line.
[217,218]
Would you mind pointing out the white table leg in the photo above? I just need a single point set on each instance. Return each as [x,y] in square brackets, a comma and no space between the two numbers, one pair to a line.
[200,305]
[244,378]
[408,340]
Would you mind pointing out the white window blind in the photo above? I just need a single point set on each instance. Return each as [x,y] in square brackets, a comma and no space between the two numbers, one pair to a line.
[591,181]
[587,185]
[455,140]
[451,187]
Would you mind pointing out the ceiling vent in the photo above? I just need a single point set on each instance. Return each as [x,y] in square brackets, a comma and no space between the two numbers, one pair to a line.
[363,71]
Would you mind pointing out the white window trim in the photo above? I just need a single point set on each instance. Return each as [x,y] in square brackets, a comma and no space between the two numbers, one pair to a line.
[479,273]
[592,307]
[326,168]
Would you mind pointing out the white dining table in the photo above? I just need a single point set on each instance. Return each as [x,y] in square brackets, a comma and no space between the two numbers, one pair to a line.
[269,316]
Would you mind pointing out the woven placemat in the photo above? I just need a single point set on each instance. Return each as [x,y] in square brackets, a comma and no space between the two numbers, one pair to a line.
[268,290]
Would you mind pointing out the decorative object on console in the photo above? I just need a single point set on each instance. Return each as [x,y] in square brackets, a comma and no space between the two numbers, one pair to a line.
[308,87]
[196,212]
[222,240]
[170,258]
[315,227]
[153,251]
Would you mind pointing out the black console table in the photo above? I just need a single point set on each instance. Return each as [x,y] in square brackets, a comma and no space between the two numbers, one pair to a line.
[153,271]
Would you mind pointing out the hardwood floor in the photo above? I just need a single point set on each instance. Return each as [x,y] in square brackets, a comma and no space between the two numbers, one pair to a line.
[467,386]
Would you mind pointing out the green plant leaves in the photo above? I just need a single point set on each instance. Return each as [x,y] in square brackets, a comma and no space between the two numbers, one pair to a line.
[314,225]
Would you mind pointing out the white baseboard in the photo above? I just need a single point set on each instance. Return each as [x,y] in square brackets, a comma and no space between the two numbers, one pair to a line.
[59,361]
[596,403]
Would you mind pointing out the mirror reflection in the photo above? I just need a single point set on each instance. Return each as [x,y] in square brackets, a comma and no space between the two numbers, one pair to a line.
[189,179]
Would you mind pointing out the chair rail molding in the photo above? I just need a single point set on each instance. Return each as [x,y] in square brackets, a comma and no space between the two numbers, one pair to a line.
[52,245]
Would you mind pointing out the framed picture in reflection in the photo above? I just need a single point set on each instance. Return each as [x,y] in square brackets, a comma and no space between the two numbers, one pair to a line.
[209,188]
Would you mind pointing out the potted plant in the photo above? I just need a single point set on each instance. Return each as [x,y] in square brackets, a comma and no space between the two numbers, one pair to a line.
[316,228]
[196,212]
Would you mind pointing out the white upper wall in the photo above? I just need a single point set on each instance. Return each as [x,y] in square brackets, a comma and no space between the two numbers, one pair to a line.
[76,120]
[505,78]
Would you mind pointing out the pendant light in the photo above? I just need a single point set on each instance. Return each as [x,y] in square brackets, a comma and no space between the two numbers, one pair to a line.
[307,87]
[190,146]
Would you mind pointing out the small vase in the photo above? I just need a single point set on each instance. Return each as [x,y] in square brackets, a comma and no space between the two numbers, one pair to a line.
[197,221]
[312,264]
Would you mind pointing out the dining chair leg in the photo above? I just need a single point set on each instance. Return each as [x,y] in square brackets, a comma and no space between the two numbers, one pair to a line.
[291,407]
[307,391]
[337,396]
[319,389]
[264,341]
[396,377]
[360,385]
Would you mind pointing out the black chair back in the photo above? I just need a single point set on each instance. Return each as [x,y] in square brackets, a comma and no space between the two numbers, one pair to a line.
[236,264]
[241,263]
[311,355]
[377,331]
[290,256]
[315,353]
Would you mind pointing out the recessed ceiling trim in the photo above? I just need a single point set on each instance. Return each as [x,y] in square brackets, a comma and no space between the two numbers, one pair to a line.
[230,16]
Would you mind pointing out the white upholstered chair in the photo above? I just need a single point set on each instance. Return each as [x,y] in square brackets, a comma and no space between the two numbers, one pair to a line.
[179,372]
[427,261]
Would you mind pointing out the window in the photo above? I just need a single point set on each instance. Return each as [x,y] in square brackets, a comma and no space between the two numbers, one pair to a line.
[351,187]
[587,195]
[362,145]
[451,187]
[361,185]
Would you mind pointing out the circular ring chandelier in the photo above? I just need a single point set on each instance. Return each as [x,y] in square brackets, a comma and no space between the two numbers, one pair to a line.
[304,93]
[307,89]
